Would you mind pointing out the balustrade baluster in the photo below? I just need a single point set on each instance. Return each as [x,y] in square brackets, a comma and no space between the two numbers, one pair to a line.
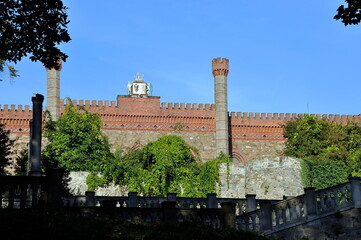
[251,222]
[298,210]
[284,215]
[322,201]
[11,197]
[274,218]
[293,211]
[34,196]
[243,224]
[23,195]
[328,199]
[343,198]
[279,217]
[258,223]
[288,214]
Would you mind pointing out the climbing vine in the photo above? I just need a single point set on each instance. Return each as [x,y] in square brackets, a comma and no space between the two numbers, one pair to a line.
[331,152]
[166,165]
[76,142]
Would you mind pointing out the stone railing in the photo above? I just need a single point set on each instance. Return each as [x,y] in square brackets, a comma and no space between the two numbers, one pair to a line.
[313,204]
[21,192]
[31,191]
[212,211]
[334,198]
[133,200]
[248,214]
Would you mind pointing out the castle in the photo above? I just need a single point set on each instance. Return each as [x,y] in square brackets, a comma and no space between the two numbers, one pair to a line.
[254,140]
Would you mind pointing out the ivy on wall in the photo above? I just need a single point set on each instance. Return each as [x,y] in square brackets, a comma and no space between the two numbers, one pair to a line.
[331,152]
[166,165]
[76,142]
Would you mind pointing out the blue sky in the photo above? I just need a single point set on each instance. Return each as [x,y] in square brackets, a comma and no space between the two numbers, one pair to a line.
[285,56]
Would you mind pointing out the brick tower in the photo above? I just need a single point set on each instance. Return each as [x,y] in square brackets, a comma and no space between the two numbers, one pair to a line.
[53,91]
[220,73]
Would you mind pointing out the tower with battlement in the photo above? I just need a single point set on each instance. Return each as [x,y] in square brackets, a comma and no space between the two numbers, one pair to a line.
[220,72]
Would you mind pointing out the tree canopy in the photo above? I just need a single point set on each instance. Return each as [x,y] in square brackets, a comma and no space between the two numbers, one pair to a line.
[76,142]
[351,14]
[5,149]
[32,27]
[331,152]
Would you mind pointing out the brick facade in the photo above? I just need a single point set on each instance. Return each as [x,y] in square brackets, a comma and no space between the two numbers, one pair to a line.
[148,114]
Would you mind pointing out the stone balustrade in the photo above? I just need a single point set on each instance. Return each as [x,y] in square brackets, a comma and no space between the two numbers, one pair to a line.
[247,214]
[133,200]
[313,204]
[333,198]
[31,191]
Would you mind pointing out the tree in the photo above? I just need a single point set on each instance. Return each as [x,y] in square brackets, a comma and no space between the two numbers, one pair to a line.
[166,165]
[76,142]
[33,27]
[5,149]
[12,71]
[350,14]
[331,152]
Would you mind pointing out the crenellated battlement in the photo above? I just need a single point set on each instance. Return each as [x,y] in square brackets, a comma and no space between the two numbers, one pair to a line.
[289,116]
[89,103]
[220,66]
[15,108]
[188,106]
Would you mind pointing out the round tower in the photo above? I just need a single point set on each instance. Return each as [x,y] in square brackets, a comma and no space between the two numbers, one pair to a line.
[220,73]
[53,91]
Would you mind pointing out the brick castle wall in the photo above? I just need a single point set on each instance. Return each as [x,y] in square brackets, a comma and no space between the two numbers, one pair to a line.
[145,119]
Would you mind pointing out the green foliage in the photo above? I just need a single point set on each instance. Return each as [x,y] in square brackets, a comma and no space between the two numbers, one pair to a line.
[21,167]
[33,27]
[331,151]
[351,14]
[323,174]
[5,148]
[10,69]
[210,173]
[76,142]
[94,180]
[163,166]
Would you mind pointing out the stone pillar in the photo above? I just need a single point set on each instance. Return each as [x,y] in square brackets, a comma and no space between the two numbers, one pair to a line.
[356,191]
[220,73]
[171,197]
[251,202]
[133,199]
[311,203]
[90,199]
[266,215]
[53,94]
[35,138]
[212,200]
[228,214]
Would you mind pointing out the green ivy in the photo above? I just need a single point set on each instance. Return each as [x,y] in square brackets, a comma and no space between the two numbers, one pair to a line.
[331,152]
[5,148]
[163,166]
[76,142]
